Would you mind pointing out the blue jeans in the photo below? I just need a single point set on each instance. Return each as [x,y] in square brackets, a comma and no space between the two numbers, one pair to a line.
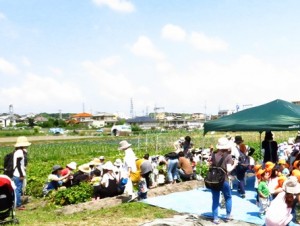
[216,200]
[172,170]
[19,185]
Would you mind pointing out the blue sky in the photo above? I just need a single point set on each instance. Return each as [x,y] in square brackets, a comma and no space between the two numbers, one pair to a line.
[185,56]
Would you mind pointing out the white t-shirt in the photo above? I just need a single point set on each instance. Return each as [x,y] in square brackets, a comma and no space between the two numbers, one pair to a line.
[129,160]
[19,154]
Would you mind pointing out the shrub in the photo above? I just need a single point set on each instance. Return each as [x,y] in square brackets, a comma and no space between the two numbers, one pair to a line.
[73,195]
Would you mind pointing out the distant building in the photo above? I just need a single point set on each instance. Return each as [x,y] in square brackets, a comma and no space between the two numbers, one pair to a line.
[296,102]
[222,113]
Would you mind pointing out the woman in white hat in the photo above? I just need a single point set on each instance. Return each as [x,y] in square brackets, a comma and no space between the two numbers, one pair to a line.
[130,166]
[223,153]
[19,166]
[69,169]
[279,213]
[109,182]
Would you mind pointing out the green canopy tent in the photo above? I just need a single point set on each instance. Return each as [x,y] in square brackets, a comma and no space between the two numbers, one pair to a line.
[278,115]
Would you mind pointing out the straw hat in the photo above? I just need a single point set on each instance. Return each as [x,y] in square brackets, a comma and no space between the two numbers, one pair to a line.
[22,142]
[72,165]
[85,168]
[223,143]
[123,145]
[291,185]
[95,162]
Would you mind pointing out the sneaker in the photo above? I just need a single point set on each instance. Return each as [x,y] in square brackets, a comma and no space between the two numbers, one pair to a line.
[228,218]
[216,221]
[133,197]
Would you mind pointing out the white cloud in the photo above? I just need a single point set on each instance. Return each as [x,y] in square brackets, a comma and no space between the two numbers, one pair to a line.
[56,70]
[173,33]
[144,47]
[7,67]
[207,44]
[36,93]
[117,5]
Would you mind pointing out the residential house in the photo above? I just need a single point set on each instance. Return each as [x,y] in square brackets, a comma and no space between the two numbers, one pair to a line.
[144,122]
[102,119]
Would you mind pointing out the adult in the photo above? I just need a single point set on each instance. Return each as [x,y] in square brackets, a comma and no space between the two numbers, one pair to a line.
[172,167]
[69,169]
[269,147]
[109,182]
[279,213]
[19,165]
[243,163]
[130,167]
[145,167]
[185,169]
[82,175]
[187,146]
[178,144]
[54,180]
[228,164]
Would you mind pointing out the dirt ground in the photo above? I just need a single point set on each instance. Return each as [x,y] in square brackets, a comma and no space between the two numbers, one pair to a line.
[177,220]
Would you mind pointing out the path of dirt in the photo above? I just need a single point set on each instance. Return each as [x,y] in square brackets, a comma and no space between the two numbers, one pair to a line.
[177,220]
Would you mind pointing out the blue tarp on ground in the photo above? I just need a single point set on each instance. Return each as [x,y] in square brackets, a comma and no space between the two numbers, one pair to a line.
[199,202]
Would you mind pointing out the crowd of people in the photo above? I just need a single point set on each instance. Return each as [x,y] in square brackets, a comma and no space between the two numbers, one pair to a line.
[277,177]
[132,176]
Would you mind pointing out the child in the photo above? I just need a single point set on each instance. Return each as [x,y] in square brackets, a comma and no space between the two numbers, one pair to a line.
[95,181]
[263,191]
[161,177]
[143,190]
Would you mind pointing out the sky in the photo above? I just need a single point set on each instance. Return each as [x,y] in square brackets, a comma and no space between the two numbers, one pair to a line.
[196,56]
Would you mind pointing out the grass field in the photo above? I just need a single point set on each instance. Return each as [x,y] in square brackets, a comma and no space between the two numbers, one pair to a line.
[43,154]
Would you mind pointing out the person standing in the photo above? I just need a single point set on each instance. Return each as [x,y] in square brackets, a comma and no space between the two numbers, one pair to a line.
[187,146]
[228,165]
[130,166]
[19,164]
[270,147]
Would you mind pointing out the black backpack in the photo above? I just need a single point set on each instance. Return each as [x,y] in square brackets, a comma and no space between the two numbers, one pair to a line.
[9,164]
[216,175]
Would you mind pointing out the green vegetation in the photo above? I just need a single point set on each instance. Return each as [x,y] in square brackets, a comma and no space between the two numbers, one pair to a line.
[42,155]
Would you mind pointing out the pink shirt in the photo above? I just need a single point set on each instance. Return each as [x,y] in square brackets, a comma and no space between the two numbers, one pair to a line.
[278,214]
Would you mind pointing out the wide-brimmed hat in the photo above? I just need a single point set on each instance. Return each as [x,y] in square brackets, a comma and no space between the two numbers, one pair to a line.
[238,139]
[22,142]
[72,165]
[291,185]
[55,168]
[118,162]
[223,143]
[181,139]
[95,162]
[101,157]
[108,166]
[269,165]
[123,145]
[85,168]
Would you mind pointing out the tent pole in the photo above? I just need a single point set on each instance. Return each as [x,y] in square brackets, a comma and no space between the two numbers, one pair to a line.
[260,143]
[201,159]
